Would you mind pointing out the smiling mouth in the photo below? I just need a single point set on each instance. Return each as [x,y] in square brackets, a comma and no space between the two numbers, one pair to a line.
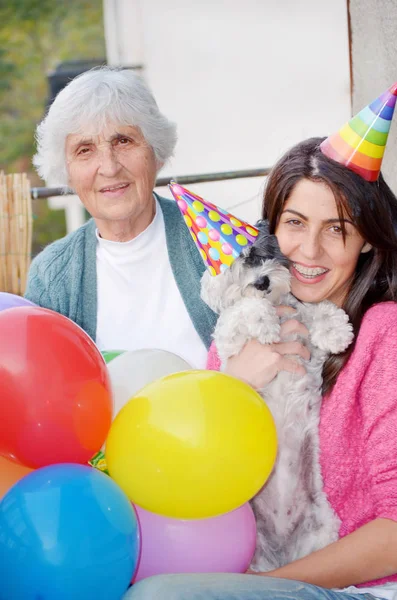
[309,272]
[113,188]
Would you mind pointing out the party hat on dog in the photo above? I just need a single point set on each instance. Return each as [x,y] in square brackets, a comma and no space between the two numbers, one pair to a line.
[219,236]
[361,142]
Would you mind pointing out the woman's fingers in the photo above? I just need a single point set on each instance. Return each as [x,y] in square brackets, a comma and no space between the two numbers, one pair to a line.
[291,348]
[258,364]
[293,326]
[290,326]
[285,311]
[290,365]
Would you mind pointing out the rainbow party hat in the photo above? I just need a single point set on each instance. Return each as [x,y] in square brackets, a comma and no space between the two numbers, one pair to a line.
[219,236]
[361,143]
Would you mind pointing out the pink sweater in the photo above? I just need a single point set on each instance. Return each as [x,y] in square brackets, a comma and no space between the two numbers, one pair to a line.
[358,426]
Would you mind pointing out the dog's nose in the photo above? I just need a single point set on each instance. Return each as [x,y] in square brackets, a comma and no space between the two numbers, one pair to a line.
[262,284]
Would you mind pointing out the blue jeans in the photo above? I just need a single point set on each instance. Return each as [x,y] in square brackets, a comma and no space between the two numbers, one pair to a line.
[231,587]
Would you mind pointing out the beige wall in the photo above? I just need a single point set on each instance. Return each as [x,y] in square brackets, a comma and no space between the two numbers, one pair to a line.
[374,59]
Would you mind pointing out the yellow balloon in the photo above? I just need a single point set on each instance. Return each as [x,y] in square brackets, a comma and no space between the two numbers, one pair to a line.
[192,445]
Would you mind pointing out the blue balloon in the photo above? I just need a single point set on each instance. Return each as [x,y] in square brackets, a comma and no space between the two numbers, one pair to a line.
[67,532]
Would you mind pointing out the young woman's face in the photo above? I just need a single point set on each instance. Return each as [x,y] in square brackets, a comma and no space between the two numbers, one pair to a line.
[310,235]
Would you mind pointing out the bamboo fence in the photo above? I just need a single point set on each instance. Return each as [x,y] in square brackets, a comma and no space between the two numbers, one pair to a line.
[15,232]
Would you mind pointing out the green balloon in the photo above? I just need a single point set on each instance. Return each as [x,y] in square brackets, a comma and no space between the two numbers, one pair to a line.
[109,355]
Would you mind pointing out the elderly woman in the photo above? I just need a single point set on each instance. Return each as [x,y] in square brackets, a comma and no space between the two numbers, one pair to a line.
[130,277]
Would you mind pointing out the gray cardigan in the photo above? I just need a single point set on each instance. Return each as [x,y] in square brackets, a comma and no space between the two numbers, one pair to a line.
[63,276]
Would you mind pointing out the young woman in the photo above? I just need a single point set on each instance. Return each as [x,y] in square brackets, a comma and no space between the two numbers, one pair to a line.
[339,232]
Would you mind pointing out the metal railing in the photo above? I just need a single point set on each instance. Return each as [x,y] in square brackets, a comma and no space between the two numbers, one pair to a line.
[45,192]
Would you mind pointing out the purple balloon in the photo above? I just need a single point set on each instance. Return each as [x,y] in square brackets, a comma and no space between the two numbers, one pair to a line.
[12,300]
[223,544]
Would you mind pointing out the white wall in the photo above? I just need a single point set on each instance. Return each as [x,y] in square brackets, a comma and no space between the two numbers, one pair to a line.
[374,53]
[244,80]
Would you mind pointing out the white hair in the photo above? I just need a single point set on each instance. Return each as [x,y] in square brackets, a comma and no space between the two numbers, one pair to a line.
[92,100]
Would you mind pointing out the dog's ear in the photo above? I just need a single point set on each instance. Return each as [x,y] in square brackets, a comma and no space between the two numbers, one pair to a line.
[213,289]
[263,226]
[265,247]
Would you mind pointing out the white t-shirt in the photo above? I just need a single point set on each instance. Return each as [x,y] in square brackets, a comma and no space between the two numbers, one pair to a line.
[139,303]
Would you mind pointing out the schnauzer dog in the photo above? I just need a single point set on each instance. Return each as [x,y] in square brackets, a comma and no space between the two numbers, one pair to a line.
[294,517]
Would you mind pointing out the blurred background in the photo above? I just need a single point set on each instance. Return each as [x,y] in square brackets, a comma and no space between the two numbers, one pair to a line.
[244,80]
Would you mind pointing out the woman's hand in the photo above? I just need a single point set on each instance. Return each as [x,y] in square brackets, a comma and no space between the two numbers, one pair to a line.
[258,364]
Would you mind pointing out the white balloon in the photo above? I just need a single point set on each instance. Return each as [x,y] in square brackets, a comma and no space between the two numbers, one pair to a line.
[131,371]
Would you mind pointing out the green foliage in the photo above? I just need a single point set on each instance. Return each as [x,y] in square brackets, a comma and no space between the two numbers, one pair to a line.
[35,36]
[7,70]
[48,225]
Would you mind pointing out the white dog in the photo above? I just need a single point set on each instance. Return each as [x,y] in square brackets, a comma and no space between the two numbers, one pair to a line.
[292,512]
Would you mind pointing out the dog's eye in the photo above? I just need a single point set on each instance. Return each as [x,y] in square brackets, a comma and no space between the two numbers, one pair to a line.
[262,284]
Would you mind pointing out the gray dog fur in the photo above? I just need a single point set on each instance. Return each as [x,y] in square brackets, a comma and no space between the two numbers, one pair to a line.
[293,515]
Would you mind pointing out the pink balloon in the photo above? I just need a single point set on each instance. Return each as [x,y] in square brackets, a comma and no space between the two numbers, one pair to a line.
[223,544]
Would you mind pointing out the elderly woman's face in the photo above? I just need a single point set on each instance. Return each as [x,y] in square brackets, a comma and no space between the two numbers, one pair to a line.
[113,173]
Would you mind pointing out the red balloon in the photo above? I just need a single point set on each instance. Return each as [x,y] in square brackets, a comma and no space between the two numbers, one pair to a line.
[55,398]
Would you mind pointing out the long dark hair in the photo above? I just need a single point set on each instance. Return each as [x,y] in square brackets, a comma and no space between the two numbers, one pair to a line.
[373,209]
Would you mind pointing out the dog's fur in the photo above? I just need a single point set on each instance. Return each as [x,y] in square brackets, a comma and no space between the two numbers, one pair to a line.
[292,512]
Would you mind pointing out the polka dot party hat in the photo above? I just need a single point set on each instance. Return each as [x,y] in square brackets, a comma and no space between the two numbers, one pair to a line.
[219,236]
[361,142]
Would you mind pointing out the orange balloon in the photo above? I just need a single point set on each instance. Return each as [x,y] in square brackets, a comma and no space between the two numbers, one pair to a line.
[10,473]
